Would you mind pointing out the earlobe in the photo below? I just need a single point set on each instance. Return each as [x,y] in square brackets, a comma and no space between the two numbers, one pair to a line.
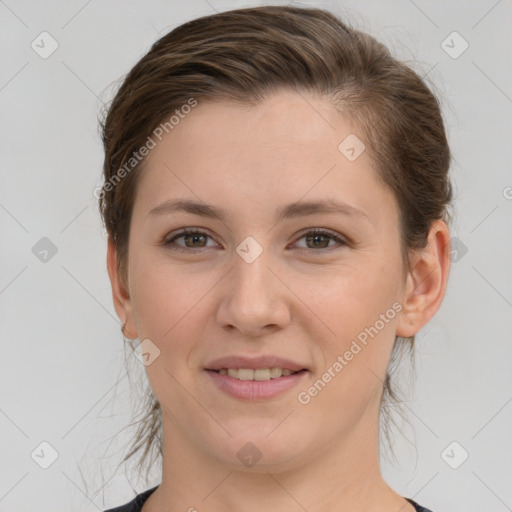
[120,294]
[426,282]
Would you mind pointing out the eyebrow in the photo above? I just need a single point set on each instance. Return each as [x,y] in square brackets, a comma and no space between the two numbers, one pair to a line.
[292,210]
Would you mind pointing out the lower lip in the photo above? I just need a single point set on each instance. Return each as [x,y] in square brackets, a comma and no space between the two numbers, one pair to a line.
[254,389]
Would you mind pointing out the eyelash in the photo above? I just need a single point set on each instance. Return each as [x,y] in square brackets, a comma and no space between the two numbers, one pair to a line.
[315,232]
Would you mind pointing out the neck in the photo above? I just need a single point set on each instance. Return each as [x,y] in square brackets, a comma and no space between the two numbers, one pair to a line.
[344,476]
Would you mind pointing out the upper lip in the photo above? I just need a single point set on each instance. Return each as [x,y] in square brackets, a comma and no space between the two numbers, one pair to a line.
[268,361]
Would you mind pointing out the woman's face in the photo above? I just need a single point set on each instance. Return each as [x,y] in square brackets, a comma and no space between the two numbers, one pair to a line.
[254,283]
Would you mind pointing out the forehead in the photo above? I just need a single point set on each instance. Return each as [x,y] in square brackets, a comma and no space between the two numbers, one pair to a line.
[278,151]
[286,122]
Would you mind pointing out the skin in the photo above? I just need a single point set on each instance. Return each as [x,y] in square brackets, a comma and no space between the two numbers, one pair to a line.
[296,300]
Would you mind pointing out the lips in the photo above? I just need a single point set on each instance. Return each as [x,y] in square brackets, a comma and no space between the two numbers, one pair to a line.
[254,363]
[254,390]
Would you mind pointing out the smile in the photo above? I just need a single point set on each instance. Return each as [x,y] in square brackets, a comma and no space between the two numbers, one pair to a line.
[255,385]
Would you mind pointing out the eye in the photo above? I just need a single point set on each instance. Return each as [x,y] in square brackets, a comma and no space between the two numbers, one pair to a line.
[194,239]
[320,238]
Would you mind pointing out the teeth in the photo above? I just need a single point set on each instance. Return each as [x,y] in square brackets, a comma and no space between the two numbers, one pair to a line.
[276,373]
[259,374]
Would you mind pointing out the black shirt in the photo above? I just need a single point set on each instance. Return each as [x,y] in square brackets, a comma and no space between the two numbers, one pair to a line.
[136,504]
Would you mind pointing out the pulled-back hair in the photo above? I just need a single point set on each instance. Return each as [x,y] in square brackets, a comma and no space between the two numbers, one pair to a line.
[246,55]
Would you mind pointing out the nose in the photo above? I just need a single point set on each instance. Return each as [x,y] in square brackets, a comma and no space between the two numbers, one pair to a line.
[255,302]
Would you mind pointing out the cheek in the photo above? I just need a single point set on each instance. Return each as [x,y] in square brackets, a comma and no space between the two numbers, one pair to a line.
[173,309]
[164,296]
[169,309]
[360,311]
[350,300]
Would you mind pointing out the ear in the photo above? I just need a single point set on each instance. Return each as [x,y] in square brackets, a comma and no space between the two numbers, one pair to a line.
[120,293]
[426,282]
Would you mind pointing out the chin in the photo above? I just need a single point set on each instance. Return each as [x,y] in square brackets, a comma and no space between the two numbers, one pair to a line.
[254,450]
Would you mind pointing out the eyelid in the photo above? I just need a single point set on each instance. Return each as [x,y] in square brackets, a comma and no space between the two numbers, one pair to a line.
[168,239]
[337,237]
[321,231]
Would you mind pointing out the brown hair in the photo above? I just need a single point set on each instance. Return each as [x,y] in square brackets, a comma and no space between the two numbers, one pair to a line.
[245,55]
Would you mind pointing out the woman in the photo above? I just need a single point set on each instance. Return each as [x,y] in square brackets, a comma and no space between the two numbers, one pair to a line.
[276,194]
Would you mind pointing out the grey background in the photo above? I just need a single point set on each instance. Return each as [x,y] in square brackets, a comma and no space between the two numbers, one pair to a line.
[63,375]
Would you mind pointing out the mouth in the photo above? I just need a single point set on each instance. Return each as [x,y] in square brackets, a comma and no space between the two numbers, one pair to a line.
[258,385]
[246,377]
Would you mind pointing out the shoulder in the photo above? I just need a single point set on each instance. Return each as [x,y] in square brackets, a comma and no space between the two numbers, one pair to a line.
[417,507]
[136,504]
